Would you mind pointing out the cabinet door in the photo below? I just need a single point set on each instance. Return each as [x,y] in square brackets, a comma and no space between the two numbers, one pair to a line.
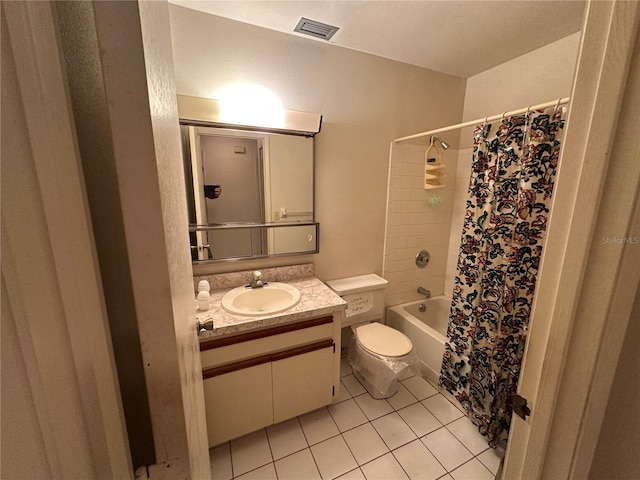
[302,383]
[238,402]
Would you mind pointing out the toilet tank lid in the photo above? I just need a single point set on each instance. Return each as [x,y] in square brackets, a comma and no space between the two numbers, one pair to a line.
[360,283]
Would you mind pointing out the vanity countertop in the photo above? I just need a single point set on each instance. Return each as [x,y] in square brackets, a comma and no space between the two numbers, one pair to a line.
[316,299]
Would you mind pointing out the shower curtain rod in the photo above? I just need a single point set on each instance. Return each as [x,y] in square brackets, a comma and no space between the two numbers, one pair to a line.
[560,101]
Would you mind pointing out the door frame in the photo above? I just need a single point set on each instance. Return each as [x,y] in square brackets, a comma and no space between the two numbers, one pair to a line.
[585,291]
[136,72]
[65,319]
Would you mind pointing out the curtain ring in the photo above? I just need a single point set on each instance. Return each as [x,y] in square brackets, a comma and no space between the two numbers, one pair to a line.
[558,104]
[502,116]
[486,119]
[528,110]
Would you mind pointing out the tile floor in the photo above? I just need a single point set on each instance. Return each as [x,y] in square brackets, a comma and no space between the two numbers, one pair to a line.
[417,434]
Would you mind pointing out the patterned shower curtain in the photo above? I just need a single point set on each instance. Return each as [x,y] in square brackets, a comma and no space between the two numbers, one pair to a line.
[513,172]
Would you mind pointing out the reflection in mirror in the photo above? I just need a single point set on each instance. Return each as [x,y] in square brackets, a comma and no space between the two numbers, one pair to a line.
[250,241]
[236,179]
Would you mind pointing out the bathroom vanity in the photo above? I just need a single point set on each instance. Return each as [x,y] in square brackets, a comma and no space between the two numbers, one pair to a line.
[261,370]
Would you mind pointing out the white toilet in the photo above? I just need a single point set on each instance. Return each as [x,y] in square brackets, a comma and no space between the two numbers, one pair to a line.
[378,354]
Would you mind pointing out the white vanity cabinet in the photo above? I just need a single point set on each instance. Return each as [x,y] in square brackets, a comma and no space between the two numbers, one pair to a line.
[262,377]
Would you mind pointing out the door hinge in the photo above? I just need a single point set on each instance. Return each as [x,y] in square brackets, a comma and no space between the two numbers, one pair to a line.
[334,348]
[520,407]
[333,390]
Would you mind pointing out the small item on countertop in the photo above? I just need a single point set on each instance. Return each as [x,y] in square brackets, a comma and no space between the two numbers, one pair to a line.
[203,286]
[203,300]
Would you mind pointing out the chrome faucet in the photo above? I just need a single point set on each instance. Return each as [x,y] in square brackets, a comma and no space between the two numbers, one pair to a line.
[425,292]
[257,280]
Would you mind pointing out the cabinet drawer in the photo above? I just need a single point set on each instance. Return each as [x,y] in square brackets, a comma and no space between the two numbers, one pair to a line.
[268,341]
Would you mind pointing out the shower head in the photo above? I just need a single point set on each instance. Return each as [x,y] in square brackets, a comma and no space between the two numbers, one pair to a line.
[442,143]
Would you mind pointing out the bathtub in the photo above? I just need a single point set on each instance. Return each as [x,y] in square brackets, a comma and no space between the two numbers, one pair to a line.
[427,330]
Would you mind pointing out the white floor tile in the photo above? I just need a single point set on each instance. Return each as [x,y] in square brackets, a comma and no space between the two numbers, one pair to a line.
[402,398]
[250,452]
[345,368]
[384,468]
[298,466]
[468,434]
[353,385]
[347,415]
[268,472]
[220,459]
[418,462]
[352,475]
[472,470]
[393,430]
[442,409]
[365,443]
[333,458]
[406,373]
[419,387]
[342,395]
[419,419]
[286,438]
[491,458]
[318,426]
[447,449]
[373,408]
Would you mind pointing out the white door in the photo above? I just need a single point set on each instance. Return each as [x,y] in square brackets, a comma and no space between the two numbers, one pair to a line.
[585,293]
[136,77]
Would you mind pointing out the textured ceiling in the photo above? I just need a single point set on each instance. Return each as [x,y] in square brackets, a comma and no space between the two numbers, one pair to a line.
[461,38]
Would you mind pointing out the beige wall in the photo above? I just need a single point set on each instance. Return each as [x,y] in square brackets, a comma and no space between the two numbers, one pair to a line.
[366,102]
[539,76]
[536,77]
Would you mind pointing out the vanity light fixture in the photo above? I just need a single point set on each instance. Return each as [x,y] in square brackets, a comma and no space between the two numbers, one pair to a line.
[209,112]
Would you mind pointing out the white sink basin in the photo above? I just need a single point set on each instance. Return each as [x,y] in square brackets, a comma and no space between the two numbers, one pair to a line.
[274,297]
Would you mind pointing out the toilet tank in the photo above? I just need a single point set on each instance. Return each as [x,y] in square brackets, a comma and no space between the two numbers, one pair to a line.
[364,295]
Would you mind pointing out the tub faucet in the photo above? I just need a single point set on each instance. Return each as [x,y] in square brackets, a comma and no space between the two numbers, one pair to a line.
[425,292]
[257,280]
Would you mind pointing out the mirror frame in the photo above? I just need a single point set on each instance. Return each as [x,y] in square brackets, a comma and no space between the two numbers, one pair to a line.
[204,112]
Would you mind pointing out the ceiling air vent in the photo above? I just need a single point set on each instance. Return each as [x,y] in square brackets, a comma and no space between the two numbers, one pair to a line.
[315,28]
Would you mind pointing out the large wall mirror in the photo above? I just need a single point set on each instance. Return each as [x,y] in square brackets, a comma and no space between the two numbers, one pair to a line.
[249,190]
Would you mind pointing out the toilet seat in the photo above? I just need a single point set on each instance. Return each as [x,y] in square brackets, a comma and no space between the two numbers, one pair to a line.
[379,339]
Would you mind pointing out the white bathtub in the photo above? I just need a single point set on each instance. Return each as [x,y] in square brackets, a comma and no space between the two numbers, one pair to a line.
[427,330]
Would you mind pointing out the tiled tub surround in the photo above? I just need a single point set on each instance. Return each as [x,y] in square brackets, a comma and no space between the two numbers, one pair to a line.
[316,299]
[460,195]
[413,224]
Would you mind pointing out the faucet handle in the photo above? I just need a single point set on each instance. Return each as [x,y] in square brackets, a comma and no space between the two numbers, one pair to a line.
[257,275]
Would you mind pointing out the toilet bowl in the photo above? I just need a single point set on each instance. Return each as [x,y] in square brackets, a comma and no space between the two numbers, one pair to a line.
[377,353]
